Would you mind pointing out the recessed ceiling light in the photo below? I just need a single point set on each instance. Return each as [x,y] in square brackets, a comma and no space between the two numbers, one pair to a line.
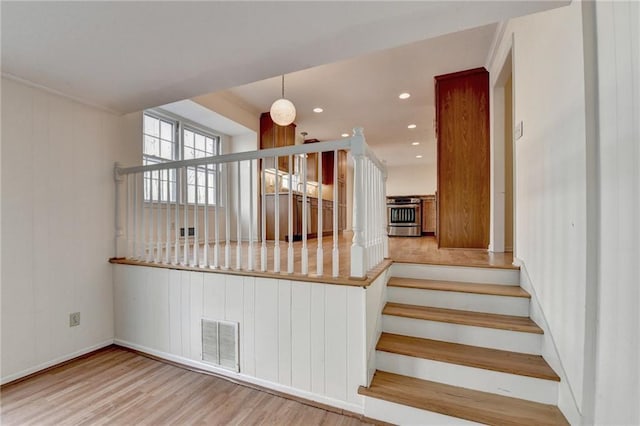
[415,143]
[317,109]
[404,95]
[411,126]
[418,156]
[345,135]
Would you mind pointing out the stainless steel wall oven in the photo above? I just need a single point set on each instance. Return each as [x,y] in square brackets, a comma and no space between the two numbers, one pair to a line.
[404,216]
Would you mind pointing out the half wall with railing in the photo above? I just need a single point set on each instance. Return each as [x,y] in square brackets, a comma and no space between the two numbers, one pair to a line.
[212,212]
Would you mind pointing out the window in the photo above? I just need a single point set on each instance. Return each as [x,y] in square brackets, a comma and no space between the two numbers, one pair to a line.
[168,138]
[159,139]
[202,178]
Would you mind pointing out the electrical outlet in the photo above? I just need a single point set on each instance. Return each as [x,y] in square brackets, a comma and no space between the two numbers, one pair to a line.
[74,319]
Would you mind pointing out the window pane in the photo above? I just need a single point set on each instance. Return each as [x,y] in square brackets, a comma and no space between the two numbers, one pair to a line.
[188,153]
[199,142]
[210,150]
[151,146]
[188,138]
[201,177]
[166,131]
[151,126]
[166,150]
[201,199]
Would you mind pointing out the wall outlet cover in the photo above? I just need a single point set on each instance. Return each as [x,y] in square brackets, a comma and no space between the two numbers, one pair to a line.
[74,319]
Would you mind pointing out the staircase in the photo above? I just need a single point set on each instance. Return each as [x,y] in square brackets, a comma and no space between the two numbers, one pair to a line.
[454,351]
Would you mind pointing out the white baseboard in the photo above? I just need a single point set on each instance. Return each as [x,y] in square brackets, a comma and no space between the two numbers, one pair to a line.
[53,362]
[354,408]
[566,400]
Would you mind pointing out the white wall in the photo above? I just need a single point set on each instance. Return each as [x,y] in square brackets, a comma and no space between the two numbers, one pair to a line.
[243,143]
[551,173]
[411,179]
[58,226]
[617,364]
[306,339]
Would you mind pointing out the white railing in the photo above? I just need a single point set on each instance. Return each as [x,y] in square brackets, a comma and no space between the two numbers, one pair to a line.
[159,220]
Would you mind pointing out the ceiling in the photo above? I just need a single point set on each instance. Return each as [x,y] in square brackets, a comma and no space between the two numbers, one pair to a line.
[128,56]
[363,92]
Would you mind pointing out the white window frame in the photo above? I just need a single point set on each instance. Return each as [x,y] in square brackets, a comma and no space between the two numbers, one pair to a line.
[181,125]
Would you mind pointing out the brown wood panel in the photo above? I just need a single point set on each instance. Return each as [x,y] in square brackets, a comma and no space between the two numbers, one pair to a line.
[461,287]
[462,115]
[275,136]
[429,214]
[118,386]
[454,316]
[471,356]
[481,407]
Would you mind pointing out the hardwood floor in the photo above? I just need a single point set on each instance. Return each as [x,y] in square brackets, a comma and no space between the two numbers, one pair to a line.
[425,250]
[119,387]
[422,250]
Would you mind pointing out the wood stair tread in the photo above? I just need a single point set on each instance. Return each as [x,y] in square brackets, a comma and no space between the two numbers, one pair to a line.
[461,287]
[482,407]
[454,316]
[471,356]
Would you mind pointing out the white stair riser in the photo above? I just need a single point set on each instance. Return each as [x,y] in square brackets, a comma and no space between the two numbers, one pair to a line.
[529,388]
[463,301]
[456,273]
[399,414]
[507,340]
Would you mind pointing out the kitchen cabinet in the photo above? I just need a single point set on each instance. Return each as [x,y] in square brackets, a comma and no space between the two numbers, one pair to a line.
[275,136]
[312,216]
[462,129]
[429,215]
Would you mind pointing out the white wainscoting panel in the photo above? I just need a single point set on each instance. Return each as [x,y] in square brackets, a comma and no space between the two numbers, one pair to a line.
[298,337]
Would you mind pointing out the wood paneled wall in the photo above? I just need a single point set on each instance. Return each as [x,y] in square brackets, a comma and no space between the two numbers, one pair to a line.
[302,338]
[462,115]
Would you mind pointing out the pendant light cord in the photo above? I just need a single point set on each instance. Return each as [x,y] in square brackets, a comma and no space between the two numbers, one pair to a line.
[283,86]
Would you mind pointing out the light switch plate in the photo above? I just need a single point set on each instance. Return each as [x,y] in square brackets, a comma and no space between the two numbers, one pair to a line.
[518,131]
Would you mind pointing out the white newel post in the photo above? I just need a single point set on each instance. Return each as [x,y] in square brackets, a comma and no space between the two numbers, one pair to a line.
[120,238]
[358,257]
[383,208]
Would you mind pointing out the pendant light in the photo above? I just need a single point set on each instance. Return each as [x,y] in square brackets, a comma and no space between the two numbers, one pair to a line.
[283,112]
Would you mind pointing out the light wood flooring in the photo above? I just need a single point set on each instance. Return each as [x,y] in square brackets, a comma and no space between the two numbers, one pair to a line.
[459,402]
[118,387]
[423,250]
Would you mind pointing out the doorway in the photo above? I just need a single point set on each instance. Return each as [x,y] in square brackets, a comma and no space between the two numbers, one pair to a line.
[503,164]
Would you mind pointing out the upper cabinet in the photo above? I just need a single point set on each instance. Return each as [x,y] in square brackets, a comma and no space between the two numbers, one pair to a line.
[462,123]
[275,136]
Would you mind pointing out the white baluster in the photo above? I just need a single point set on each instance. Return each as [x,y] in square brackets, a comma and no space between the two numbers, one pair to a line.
[239,219]
[167,235]
[335,253]
[263,217]
[276,245]
[383,208]
[137,217]
[158,257]
[196,242]
[358,260]
[127,225]
[290,219]
[185,214]
[305,251]
[216,245]
[206,216]
[320,252]
[251,217]
[150,244]
[176,226]
[227,219]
